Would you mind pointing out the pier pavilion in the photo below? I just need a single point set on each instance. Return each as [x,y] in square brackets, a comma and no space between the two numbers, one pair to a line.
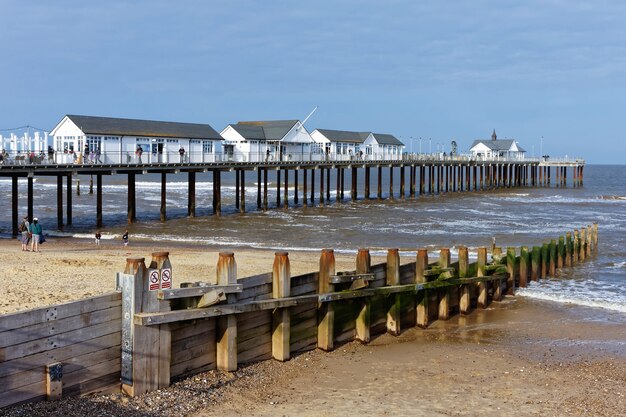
[427,175]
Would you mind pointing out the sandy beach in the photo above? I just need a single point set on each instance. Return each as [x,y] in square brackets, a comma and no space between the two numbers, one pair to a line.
[519,357]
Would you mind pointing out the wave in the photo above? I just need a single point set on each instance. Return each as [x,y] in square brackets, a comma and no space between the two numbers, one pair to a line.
[604,299]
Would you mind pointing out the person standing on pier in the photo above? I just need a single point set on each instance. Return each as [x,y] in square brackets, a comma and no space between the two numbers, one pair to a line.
[181,151]
[25,230]
[98,155]
[138,152]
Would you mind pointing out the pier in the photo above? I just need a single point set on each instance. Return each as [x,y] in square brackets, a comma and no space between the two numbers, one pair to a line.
[428,175]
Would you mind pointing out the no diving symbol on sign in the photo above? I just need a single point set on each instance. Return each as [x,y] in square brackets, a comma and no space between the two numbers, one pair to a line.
[154,280]
[166,278]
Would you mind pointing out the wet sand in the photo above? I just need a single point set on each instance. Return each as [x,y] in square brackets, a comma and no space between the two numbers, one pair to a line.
[519,357]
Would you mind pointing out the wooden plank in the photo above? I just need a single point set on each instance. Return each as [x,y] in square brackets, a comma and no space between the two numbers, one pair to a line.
[259,352]
[18,320]
[252,320]
[195,350]
[198,291]
[193,328]
[304,289]
[201,358]
[33,392]
[255,280]
[254,333]
[55,327]
[91,373]
[107,384]
[59,340]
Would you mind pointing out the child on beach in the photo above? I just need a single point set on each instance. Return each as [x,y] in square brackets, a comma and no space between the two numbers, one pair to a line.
[98,236]
[125,238]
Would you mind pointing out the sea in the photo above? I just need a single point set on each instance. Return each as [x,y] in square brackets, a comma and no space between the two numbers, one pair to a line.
[513,216]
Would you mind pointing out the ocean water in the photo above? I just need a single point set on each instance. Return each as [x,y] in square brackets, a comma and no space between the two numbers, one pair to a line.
[515,217]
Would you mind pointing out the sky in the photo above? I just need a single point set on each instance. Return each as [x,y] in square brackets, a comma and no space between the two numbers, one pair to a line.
[550,74]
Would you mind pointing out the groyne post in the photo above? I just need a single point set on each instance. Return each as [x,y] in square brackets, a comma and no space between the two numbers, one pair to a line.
[393,278]
[524,261]
[535,265]
[481,263]
[560,252]
[589,243]
[421,264]
[226,335]
[496,255]
[582,242]
[568,249]
[281,318]
[444,293]
[575,247]
[326,312]
[545,254]
[466,289]
[363,266]
[510,267]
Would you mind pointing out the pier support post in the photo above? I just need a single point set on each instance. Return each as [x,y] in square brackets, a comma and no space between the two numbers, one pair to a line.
[421,264]
[69,197]
[535,264]
[338,188]
[466,289]
[391,183]
[226,335]
[217,192]
[259,185]
[481,263]
[363,266]
[278,187]
[305,188]
[354,183]
[402,181]
[524,263]
[163,196]
[312,187]
[98,200]
[59,202]
[191,202]
[281,318]
[380,183]
[132,213]
[367,183]
[237,182]
[444,293]
[265,189]
[321,186]
[510,268]
[328,185]
[286,189]
[326,312]
[14,206]
[242,190]
[393,278]
[343,177]
[412,181]
[296,200]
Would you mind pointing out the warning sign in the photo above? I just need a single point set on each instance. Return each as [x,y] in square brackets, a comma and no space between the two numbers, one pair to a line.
[154,279]
[166,278]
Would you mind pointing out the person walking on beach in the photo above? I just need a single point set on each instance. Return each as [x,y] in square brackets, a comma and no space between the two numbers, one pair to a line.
[35,231]
[125,238]
[25,231]
[98,236]
[181,151]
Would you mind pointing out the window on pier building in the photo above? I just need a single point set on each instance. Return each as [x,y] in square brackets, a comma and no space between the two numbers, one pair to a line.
[207,146]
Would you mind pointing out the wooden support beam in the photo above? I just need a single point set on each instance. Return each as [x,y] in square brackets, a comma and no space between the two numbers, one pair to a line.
[326,312]
[278,188]
[362,325]
[568,249]
[393,278]
[305,195]
[217,192]
[402,181]
[226,335]
[545,255]
[15,206]
[524,263]
[265,189]
[59,202]
[466,290]
[444,293]
[259,186]
[354,190]
[286,189]
[191,197]
[132,208]
[379,190]
[510,268]
[367,183]
[295,187]
[237,182]
[391,183]
[321,186]
[242,190]
[552,261]
[481,262]
[560,252]
[281,319]
[163,196]
[328,185]
[69,197]
[342,172]
[312,187]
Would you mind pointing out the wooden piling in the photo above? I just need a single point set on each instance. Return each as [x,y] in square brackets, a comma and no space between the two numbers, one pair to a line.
[481,263]
[393,278]
[321,186]
[353,177]
[342,182]
[265,174]
[69,197]
[328,185]
[524,263]
[312,187]
[326,312]
[305,195]
[595,236]
[363,320]
[286,189]
[402,181]
[552,260]
[59,200]
[278,180]
[391,182]
[242,191]
[575,248]
[226,335]
[15,207]
[295,187]
[367,183]
[98,200]
[191,194]
[582,242]
[535,266]
[568,249]
[545,256]
[132,214]
[162,211]
[281,318]
[444,293]
[422,302]
[237,182]
[560,252]
[510,268]
[466,289]
[380,183]
[589,242]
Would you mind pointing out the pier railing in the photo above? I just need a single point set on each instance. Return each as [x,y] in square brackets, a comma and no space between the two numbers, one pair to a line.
[147,333]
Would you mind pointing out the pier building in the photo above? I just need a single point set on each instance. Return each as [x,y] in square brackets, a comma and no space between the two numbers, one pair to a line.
[343,145]
[497,148]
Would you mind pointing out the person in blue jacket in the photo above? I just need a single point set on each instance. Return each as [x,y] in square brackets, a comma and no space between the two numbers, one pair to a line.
[35,231]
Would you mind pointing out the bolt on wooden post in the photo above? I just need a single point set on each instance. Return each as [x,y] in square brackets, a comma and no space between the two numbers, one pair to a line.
[227,325]
[281,319]
[421,264]
[363,266]
[326,312]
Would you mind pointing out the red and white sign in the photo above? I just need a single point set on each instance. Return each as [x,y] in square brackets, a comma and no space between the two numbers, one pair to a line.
[155,279]
[166,278]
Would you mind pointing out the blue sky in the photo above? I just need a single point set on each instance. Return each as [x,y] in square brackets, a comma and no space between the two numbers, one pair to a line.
[439,70]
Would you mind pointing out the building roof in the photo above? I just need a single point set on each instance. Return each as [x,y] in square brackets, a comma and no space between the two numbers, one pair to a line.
[92,125]
[497,145]
[272,130]
[344,135]
[386,139]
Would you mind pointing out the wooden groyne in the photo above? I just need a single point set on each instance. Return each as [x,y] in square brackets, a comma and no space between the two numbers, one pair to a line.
[137,339]
[425,177]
